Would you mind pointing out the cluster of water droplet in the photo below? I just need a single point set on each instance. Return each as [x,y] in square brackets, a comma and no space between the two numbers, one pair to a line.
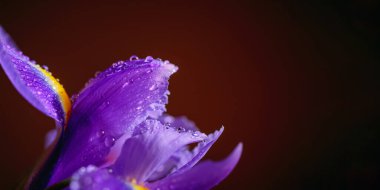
[45,94]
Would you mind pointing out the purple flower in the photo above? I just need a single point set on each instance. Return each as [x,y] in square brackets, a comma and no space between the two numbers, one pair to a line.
[114,133]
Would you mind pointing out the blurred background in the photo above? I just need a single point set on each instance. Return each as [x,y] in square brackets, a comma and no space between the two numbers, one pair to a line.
[297,82]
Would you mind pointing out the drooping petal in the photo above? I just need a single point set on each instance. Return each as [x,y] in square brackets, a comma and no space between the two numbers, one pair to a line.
[111,106]
[203,176]
[92,178]
[34,83]
[151,147]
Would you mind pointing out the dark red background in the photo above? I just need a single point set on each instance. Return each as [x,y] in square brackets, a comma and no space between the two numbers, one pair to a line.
[296,82]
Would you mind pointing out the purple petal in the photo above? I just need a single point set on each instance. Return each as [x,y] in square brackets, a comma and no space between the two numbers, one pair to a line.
[111,106]
[34,83]
[178,122]
[151,147]
[92,178]
[203,176]
[179,158]
[199,151]
[185,159]
[6,39]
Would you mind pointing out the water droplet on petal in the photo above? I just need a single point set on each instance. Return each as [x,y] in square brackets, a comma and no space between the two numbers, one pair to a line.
[133,58]
[153,87]
[181,129]
[148,59]
[100,133]
[195,134]
[45,67]
[125,84]
[109,141]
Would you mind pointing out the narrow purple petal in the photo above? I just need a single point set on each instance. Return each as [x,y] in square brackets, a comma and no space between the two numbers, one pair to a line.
[92,178]
[151,147]
[6,39]
[203,176]
[111,106]
[34,83]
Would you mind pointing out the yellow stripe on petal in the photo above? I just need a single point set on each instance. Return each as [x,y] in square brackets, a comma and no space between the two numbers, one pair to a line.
[136,186]
[60,91]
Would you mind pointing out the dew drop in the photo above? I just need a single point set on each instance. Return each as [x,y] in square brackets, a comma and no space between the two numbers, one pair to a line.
[133,58]
[109,141]
[195,134]
[148,59]
[100,133]
[149,71]
[45,67]
[153,87]
[125,84]
[181,129]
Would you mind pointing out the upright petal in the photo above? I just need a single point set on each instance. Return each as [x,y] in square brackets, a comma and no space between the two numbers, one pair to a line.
[153,145]
[203,176]
[34,83]
[110,106]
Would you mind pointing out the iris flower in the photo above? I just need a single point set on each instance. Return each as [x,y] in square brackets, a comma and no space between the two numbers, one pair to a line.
[115,133]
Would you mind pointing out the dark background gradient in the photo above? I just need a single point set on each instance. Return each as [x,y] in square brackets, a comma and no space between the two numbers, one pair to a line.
[297,82]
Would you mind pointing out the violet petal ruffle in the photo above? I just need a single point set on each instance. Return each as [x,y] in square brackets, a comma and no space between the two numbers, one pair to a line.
[151,146]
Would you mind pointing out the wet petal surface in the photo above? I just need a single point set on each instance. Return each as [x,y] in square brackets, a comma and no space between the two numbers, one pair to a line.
[150,147]
[203,176]
[111,106]
[33,82]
